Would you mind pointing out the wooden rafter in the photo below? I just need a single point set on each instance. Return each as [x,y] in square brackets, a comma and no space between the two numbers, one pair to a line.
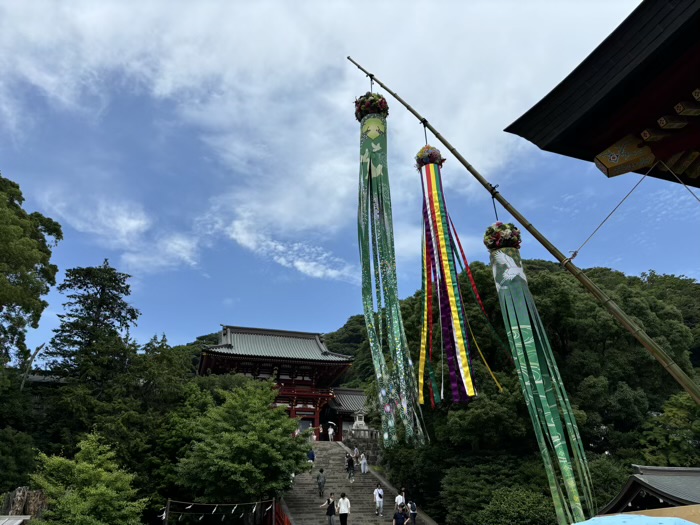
[693,172]
[672,122]
[688,108]
[685,161]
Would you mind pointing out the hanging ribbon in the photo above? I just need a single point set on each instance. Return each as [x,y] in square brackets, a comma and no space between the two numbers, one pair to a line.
[440,272]
[555,427]
[380,299]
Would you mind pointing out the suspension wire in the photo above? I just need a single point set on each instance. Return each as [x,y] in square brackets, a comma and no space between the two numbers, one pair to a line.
[493,200]
[679,180]
[576,252]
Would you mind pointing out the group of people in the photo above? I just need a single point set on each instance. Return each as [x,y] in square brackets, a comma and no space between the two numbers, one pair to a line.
[314,437]
[340,507]
[405,510]
[353,459]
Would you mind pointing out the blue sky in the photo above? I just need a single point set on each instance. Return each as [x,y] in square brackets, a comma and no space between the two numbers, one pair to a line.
[210,150]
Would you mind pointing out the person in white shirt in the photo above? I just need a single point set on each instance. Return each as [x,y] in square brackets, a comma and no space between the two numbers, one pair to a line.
[343,508]
[400,499]
[378,497]
[331,432]
[363,463]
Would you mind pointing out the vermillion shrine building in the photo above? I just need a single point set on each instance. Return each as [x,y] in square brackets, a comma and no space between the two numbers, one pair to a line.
[306,372]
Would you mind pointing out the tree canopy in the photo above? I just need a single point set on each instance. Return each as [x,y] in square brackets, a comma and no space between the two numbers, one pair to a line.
[95,324]
[244,448]
[26,271]
[89,490]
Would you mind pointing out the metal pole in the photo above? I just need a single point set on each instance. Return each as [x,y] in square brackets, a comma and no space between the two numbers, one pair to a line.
[637,331]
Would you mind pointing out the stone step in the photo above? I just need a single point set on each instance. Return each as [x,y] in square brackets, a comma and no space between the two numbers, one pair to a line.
[303,500]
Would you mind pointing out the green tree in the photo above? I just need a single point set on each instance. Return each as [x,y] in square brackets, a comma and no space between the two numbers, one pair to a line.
[244,448]
[158,418]
[86,345]
[91,353]
[88,490]
[26,273]
[517,505]
[673,437]
[17,457]
[684,293]
[467,489]
[491,422]
[608,477]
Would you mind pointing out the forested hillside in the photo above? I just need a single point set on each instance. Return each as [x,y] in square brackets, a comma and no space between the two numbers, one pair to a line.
[630,411]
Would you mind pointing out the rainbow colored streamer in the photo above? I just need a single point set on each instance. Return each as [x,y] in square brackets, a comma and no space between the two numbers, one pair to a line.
[440,257]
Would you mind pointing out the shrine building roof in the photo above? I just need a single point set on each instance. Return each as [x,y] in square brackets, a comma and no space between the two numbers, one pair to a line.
[349,400]
[633,105]
[275,344]
[672,486]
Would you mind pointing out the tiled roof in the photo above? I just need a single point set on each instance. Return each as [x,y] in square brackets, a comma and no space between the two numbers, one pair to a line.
[682,483]
[349,400]
[279,344]
[676,485]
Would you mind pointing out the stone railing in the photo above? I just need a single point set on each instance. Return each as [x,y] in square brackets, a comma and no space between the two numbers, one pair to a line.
[365,434]
[366,441]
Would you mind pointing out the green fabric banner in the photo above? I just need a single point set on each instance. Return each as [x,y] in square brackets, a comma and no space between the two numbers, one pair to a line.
[555,427]
[380,299]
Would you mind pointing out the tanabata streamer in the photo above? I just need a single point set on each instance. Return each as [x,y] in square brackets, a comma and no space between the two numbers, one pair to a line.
[441,257]
[380,300]
[555,427]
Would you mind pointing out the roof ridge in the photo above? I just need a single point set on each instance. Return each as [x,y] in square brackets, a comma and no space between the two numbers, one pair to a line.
[271,332]
[344,389]
[325,351]
[665,471]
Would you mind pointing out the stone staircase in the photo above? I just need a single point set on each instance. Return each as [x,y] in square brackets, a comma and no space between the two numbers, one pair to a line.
[303,500]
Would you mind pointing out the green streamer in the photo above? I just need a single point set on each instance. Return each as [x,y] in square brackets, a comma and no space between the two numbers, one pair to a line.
[395,378]
[555,426]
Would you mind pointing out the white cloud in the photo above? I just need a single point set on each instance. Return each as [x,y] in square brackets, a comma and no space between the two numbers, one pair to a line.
[117,224]
[267,88]
[125,226]
[307,259]
[168,252]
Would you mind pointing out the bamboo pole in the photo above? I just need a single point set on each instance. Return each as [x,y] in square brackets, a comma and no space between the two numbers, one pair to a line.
[29,365]
[637,331]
